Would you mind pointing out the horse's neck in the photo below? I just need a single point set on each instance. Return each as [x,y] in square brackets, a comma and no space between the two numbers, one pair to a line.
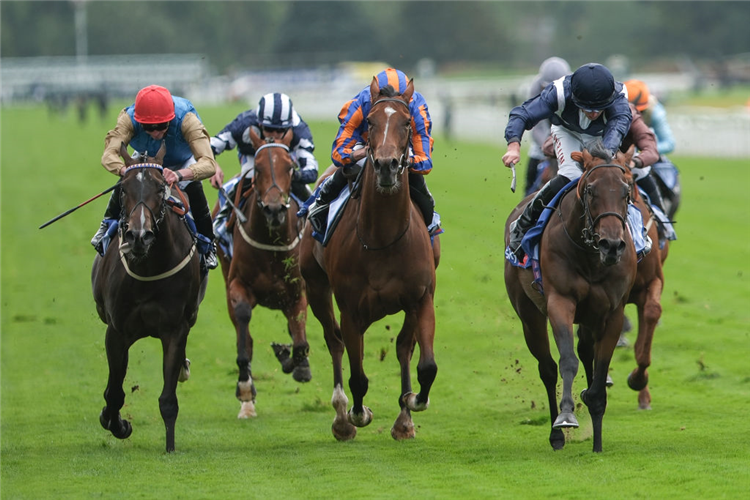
[383,217]
[573,216]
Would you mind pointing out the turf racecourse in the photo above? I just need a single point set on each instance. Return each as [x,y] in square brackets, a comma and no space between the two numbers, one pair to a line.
[485,433]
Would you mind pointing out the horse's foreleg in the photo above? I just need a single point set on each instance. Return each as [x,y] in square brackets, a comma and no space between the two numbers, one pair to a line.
[561,313]
[426,368]
[595,397]
[359,415]
[403,427]
[241,311]
[114,396]
[586,352]
[173,346]
[648,317]
[296,320]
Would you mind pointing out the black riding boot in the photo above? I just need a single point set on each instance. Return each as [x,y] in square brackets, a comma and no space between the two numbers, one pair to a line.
[331,188]
[202,218]
[421,196]
[531,213]
[112,212]
[648,184]
[301,191]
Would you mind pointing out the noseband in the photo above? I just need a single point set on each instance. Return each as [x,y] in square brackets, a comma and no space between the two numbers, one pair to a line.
[590,237]
[260,202]
[403,161]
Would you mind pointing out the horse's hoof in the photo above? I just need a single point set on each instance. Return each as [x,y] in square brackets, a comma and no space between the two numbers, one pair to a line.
[557,439]
[247,410]
[637,383]
[565,420]
[410,401]
[360,420]
[121,429]
[609,382]
[403,427]
[343,431]
[302,372]
[184,371]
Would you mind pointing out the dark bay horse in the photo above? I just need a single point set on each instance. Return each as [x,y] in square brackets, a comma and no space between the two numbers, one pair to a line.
[264,268]
[378,262]
[588,266]
[147,284]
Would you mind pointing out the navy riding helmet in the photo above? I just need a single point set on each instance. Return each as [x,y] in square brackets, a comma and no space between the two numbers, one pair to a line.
[593,87]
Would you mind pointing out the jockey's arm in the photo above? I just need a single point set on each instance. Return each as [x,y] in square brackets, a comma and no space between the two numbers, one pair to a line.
[121,134]
[200,144]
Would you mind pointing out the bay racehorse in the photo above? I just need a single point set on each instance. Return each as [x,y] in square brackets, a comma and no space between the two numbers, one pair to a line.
[646,295]
[378,262]
[147,284]
[588,267]
[264,267]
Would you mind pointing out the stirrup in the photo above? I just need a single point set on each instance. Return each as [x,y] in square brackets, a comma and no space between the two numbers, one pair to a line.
[317,214]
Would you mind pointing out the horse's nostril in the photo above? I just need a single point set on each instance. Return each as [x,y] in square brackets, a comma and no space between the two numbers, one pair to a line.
[149,237]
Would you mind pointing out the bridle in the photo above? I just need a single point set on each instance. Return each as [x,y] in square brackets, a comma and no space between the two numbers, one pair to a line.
[284,195]
[157,220]
[403,161]
[588,234]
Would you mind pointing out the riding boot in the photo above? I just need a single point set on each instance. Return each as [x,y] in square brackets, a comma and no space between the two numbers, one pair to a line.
[112,212]
[648,184]
[301,191]
[531,213]
[421,196]
[318,213]
[203,223]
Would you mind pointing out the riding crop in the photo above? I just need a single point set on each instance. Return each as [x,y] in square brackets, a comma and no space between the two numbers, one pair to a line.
[67,212]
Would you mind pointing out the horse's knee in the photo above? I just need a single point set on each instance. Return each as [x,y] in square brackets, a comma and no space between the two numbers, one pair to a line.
[652,312]
[243,312]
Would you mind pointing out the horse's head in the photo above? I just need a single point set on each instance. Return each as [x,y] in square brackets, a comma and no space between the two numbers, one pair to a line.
[389,133]
[604,191]
[272,182]
[143,196]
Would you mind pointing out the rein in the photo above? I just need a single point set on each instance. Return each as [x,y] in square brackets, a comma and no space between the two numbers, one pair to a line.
[590,237]
[157,225]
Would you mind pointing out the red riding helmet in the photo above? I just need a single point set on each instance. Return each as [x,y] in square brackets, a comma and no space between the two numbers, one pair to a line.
[154,104]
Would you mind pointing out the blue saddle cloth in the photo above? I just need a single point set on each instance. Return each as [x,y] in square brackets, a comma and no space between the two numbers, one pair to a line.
[533,236]
[336,209]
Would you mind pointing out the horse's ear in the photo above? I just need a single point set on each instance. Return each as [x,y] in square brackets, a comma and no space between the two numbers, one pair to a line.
[577,156]
[409,91]
[254,133]
[125,156]
[374,89]
[159,158]
[627,155]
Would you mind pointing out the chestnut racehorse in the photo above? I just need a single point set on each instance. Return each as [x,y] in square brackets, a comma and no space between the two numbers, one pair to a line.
[378,262]
[147,284]
[264,269]
[588,266]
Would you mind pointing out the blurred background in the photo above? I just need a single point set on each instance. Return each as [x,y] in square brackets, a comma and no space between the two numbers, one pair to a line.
[472,60]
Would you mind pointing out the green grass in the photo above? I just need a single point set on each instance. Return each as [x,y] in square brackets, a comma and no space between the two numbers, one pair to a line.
[485,433]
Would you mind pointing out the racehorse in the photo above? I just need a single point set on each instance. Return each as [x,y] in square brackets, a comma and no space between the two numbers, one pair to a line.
[264,269]
[379,261]
[147,284]
[588,267]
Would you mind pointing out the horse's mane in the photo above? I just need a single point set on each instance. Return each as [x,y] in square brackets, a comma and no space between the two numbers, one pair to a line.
[388,91]
[596,149]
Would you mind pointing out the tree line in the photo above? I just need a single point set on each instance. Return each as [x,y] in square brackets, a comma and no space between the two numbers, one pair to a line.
[238,35]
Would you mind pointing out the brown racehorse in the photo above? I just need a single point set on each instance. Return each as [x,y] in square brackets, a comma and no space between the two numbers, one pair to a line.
[646,295]
[588,266]
[264,270]
[378,262]
[147,284]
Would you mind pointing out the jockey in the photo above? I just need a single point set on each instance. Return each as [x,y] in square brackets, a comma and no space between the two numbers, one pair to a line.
[581,107]
[349,149]
[655,116]
[274,117]
[158,117]
[550,70]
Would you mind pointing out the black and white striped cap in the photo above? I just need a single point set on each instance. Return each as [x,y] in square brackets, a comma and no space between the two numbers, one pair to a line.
[275,111]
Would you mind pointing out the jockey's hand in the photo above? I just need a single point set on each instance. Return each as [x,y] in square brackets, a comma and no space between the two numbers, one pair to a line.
[217,180]
[512,155]
[170,176]
[358,154]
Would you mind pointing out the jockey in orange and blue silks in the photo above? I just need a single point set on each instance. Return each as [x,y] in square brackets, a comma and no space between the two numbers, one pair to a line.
[353,119]
[347,150]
